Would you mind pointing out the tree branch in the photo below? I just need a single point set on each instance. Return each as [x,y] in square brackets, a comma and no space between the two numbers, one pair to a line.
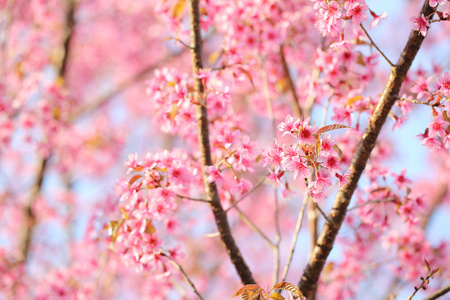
[30,218]
[212,193]
[439,293]
[180,268]
[295,105]
[390,94]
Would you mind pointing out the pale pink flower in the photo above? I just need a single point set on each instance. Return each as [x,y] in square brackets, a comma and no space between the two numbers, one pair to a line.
[342,46]
[332,164]
[434,3]
[326,146]
[131,162]
[214,175]
[438,127]
[306,133]
[420,24]
[289,125]
[376,19]
[330,11]
[356,11]
[299,168]
[421,87]
[400,180]
[275,177]
[431,143]
[444,84]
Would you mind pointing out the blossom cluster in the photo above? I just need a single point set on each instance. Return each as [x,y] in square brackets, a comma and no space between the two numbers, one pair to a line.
[149,197]
[437,134]
[309,151]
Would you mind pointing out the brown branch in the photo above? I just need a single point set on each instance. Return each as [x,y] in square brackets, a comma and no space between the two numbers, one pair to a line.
[326,240]
[212,193]
[30,218]
[439,293]
[192,199]
[295,105]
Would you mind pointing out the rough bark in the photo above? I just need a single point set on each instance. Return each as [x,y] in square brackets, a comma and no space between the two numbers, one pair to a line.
[390,93]
[212,193]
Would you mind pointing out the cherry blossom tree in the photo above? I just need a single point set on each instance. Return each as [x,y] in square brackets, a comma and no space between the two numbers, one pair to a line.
[186,149]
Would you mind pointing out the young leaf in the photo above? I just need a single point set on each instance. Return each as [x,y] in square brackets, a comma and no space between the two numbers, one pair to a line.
[353,100]
[247,287]
[178,9]
[287,286]
[277,296]
[330,128]
[249,76]
[428,264]
[133,179]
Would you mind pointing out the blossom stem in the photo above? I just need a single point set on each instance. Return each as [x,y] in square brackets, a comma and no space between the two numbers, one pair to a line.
[323,214]
[180,268]
[253,226]
[371,202]
[298,226]
[246,194]
[375,45]
[193,199]
[419,102]
[295,104]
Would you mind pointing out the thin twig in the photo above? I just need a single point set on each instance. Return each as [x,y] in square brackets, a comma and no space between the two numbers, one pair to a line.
[375,45]
[324,215]
[439,293]
[295,104]
[298,226]
[276,254]
[438,20]
[246,194]
[253,226]
[193,199]
[371,202]
[419,102]
[276,248]
[180,268]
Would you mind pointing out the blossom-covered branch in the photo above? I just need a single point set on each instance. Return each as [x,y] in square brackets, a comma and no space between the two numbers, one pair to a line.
[367,143]
[212,193]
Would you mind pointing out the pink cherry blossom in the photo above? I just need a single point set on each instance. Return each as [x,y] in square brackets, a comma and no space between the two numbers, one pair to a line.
[420,24]
[444,84]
